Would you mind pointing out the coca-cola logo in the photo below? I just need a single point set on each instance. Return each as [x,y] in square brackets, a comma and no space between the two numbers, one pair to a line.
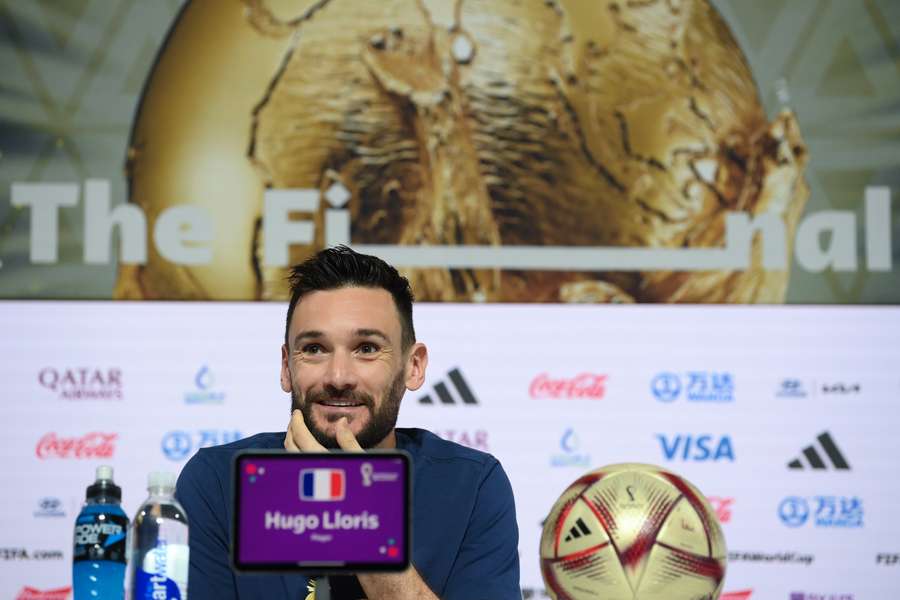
[30,593]
[90,445]
[83,383]
[583,385]
[722,506]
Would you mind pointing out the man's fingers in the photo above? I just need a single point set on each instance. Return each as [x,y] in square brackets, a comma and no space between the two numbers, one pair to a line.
[303,440]
[299,439]
[289,444]
[345,438]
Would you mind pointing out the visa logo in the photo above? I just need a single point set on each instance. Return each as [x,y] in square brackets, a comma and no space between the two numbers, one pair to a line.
[696,447]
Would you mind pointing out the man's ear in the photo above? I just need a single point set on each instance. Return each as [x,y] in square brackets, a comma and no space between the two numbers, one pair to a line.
[285,368]
[415,366]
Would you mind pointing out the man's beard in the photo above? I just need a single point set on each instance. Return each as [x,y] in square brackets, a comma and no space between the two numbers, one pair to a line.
[381,421]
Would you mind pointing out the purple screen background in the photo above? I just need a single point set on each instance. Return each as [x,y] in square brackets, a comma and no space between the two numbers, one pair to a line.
[276,488]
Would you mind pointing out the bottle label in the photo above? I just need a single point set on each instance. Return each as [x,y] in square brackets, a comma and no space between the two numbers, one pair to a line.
[163,574]
[99,538]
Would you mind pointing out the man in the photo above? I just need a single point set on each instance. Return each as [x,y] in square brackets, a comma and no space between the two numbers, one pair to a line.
[349,354]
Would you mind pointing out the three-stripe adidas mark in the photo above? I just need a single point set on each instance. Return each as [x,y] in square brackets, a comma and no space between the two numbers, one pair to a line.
[578,530]
[815,459]
[443,393]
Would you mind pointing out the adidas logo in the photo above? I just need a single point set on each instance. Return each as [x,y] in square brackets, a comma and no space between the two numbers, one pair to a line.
[578,530]
[463,391]
[815,460]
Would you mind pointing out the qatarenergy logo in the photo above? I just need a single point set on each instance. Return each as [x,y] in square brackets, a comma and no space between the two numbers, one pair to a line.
[205,392]
[571,455]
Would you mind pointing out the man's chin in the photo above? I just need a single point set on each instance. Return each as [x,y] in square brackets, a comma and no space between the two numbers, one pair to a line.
[325,429]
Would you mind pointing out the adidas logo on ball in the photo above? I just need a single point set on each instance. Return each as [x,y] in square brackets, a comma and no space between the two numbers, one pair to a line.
[578,530]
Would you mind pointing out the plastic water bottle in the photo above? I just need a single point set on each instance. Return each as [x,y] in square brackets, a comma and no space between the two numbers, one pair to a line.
[159,545]
[101,530]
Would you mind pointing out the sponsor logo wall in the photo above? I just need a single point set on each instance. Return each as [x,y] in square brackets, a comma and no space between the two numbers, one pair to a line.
[757,163]
[796,479]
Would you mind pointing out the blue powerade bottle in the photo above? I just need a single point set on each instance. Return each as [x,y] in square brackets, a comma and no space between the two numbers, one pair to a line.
[98,560]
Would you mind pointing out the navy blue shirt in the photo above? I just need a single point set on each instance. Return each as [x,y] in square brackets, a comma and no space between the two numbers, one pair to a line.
[464,532]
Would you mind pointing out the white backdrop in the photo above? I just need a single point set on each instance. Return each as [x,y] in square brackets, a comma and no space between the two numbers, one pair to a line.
[557,389]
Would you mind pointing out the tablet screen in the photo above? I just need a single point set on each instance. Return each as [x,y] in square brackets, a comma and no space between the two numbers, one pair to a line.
[326,512]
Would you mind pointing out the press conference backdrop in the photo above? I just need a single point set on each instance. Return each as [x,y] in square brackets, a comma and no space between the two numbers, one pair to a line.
[786,418]
[563,151]
[556,156]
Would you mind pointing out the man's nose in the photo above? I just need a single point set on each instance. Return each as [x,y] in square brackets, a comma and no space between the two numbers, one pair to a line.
[340,374]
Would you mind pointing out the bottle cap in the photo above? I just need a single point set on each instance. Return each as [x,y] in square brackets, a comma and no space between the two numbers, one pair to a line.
[104,489]
[161,479]
[104,472]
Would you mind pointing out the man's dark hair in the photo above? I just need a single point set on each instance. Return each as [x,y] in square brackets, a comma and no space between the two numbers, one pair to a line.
[340,267]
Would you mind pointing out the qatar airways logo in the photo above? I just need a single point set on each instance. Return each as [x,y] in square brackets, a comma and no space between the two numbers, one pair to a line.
[90,445]
[82,383]
[584,385]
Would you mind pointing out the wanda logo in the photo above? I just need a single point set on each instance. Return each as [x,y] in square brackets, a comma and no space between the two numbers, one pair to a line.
[722,506]
[584,385]
[30,593]
[90,445]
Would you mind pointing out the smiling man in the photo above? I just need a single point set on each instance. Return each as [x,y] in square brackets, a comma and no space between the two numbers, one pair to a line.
[357,368]
[349,355]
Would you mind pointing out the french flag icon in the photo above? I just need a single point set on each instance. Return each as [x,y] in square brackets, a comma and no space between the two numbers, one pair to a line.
[322,484]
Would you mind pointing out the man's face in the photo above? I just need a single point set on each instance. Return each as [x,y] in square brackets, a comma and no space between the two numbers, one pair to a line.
[344,359]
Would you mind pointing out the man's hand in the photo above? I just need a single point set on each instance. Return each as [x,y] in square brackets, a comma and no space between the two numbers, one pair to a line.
[299,439]
[407,585]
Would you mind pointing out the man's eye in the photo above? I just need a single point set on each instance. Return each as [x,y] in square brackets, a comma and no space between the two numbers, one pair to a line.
[312,349]
[368,348]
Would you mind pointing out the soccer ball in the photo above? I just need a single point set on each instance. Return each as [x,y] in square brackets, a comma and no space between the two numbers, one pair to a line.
[632,532]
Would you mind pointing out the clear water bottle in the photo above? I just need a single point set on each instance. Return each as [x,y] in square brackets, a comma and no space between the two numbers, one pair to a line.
[101,530]
[159,545]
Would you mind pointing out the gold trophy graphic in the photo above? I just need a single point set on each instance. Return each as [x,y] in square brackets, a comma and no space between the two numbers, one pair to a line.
[496,125]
